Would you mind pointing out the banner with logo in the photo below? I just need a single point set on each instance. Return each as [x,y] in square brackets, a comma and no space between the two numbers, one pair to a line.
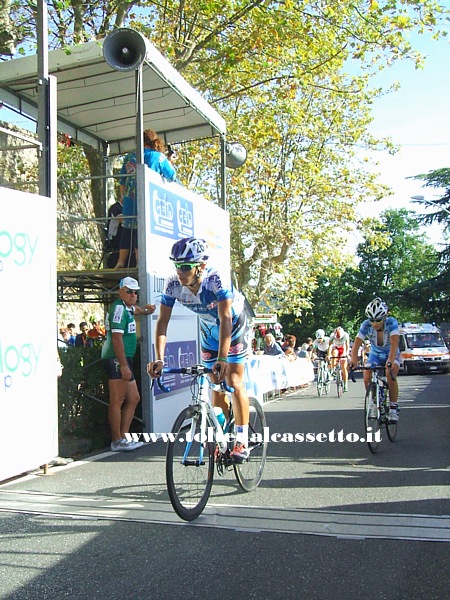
[28,335]
[175,213]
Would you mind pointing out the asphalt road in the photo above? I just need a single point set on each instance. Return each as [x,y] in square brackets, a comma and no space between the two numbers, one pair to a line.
[329,520]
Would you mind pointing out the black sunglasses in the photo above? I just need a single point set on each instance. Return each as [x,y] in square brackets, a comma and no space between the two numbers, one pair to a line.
[376,320]
[131,292]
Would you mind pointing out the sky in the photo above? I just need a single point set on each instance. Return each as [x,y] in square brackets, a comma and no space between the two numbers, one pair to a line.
[417,118]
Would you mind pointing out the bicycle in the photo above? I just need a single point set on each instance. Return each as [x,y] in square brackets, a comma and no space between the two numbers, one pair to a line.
[376,407]
[338,376]
[198,443]
[323,377]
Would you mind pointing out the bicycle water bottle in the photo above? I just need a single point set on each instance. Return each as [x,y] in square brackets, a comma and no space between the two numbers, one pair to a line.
[220,416]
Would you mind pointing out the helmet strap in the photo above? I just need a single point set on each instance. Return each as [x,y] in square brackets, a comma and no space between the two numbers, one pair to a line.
[197,277]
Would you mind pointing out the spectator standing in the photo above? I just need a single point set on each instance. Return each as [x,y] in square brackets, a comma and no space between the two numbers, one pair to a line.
[114,234]
[97,332]
[82,340]
[117,354]
[156,160]
[271,347]
[72,334]
[63,338]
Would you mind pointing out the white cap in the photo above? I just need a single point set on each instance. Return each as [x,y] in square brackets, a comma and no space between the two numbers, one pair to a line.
[129,283]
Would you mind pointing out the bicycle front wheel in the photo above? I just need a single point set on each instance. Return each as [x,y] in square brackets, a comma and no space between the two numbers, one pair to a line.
[250,472]
[372,420]
[320,384]
[327,381]
[339,383]
[391,426]
[189,465]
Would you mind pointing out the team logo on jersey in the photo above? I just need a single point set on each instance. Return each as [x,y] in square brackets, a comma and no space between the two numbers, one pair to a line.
[118,314]
[236,349]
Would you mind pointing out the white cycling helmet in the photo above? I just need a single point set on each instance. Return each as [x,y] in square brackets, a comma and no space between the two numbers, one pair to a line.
[320,334]
[377,309]
[190,250]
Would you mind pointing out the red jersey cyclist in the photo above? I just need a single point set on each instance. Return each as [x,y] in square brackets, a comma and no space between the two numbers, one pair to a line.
[223,325]
[338,348]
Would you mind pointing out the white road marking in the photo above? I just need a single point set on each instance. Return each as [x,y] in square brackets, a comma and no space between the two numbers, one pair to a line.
[339,524]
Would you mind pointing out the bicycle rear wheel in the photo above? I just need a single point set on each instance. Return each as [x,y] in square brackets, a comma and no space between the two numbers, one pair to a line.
[372,420]
[391,426]
[189,465]
[250,472]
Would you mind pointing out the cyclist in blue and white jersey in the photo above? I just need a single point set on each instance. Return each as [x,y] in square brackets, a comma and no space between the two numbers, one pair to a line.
[382,332]
[223,325]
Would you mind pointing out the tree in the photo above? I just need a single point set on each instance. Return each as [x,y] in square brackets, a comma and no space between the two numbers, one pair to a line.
[403,259]
[393,258]
[435,291]
[279,73]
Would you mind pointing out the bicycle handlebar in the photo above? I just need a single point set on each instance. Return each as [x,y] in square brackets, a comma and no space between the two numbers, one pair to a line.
[374,368]
[195,371]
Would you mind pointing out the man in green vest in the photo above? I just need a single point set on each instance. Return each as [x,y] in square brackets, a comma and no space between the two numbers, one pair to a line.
[118,351]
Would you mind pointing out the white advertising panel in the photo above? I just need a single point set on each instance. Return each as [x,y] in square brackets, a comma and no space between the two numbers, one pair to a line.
[175,213]
[28,347]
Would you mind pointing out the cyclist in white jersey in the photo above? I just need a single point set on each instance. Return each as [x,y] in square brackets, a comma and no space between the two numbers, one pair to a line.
[223,325]
[382,332]
[338,349]
[321,344]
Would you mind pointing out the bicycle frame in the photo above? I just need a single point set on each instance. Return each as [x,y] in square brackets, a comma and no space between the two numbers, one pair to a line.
[377,395]
[199,397]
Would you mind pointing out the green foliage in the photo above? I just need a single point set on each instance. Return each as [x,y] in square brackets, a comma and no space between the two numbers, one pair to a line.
[83,398]
[434,292]
[79,415]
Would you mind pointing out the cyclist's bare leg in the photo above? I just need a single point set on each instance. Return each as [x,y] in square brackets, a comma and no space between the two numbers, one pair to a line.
[393,385]
[220,399]
[235,379]
[240,396]
[344,370]
[334,356]
[367,375]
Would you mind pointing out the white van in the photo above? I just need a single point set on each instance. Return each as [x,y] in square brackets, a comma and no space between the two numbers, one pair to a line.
[422,349]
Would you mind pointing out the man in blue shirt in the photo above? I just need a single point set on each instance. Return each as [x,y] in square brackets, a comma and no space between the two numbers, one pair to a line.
[382,332]
[155,159]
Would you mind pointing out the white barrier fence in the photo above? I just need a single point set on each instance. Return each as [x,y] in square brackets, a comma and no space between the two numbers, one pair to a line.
[269,374]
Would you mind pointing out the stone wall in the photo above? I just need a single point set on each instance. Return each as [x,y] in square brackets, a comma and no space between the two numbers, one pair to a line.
[80,238]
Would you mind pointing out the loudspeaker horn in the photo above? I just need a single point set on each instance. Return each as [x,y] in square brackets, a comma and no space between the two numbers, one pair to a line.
[235,155]
[125,49]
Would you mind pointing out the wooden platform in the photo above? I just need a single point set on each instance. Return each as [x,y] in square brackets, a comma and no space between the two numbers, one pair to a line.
[96,286]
